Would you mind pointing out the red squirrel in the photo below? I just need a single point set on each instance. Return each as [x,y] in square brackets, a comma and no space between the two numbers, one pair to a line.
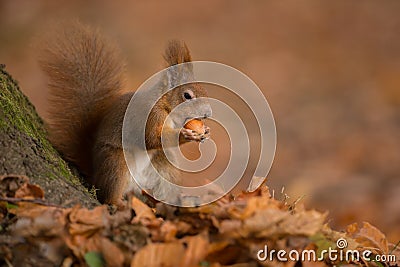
[87,108]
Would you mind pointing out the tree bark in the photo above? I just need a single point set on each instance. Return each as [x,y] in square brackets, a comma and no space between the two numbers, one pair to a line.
[25,149]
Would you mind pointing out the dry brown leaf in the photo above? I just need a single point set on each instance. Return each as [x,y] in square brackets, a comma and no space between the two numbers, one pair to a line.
[84,221]
[232,253]
[264,223]
[306,223]
[206,209]
[314,264]
[80,245]
[30,191]
[246,264]
[29,209]
[85,228]
[261,191]
[97,216]
[196,249]
[166,232]
[111,253]
[159,254]
[229,226]
[217,246]
[369,236]
[189,251]
[394,249]
[258,203]
[269,222]
[183,227]
[39,220]
[143,212]
[332,236]
[235,209]
[352,229]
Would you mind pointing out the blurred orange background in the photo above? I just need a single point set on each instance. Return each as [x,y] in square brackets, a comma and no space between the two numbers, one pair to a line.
[329,69]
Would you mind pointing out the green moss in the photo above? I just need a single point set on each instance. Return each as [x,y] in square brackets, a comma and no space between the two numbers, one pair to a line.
[17,112]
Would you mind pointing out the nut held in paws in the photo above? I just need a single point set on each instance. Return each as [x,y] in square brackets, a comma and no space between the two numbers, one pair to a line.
[195,125]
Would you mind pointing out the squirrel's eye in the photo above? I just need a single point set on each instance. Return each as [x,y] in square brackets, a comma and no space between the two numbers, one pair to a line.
[187,96]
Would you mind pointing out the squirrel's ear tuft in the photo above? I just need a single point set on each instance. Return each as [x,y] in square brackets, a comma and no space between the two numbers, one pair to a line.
[177,52]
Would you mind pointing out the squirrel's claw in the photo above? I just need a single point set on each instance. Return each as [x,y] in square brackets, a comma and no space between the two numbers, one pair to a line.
[206,134]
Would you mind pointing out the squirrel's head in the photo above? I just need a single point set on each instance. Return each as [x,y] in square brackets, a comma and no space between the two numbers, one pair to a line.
[190,97]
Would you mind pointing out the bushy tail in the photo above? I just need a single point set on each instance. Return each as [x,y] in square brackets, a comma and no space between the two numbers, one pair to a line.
[85,78]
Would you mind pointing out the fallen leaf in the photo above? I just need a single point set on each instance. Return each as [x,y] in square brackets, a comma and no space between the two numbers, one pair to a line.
[159,254]
[81,245]
[264,223]
[229,226]
[143,212]
[369,236]
[111,253]
[232,253]
[258,203]
[29,191]
[166,233]
[306,223]
[39,221]
[217,246]
[84,221]
[315,264]
[196,249]
[261,191]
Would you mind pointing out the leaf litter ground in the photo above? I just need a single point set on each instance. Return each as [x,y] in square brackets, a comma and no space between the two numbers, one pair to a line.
[229,232]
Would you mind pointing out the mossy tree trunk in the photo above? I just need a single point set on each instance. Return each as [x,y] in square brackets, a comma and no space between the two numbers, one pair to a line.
[25,149]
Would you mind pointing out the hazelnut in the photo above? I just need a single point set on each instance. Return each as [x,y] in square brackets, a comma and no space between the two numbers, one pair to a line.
[195,125]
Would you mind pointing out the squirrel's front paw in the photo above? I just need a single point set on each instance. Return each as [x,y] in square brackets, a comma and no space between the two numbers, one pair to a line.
[191,135]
